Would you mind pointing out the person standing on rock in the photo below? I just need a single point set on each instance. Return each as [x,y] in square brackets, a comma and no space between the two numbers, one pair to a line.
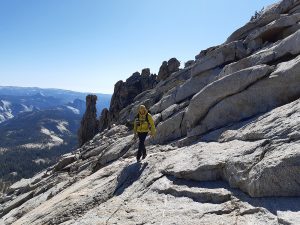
[143,124]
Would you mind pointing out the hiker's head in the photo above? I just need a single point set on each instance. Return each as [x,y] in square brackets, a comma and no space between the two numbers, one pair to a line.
[143,110]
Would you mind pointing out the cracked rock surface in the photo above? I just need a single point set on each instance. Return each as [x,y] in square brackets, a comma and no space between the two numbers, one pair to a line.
[213,182]
[227,149]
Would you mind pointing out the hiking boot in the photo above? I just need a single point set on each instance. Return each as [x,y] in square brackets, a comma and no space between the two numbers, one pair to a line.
[138,159]
[144,156]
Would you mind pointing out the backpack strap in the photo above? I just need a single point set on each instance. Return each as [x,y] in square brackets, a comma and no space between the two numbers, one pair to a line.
[147,117]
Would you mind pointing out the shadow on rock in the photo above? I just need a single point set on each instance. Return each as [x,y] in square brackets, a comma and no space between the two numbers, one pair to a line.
[128,176]
[272,204]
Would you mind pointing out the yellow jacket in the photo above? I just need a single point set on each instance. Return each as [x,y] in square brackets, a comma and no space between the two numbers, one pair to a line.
[143,125]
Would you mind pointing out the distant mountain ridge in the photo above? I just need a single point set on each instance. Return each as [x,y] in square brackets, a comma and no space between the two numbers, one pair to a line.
[11,106]
[37,126]
[14,90]
[66,95]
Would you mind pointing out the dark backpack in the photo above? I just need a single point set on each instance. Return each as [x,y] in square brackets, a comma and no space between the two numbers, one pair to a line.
[137,119]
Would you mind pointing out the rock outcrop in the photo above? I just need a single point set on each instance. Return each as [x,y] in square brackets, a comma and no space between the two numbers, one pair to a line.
[89,123]
[104,120]
[188,63]
[227,149]
[167,68]
[125,92]
[221,89]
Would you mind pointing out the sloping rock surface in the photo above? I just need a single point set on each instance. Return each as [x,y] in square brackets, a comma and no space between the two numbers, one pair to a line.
[227,149]
[206,182]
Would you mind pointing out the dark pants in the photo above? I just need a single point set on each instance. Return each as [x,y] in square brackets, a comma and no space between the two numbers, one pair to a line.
[142,148]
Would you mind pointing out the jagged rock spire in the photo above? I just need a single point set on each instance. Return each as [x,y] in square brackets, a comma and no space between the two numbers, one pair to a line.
[89,124]
[104,120]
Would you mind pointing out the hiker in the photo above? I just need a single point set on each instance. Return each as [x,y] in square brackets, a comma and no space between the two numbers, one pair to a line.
[143,124]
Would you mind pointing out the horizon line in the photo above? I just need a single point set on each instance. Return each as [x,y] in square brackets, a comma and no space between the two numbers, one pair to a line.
[53,88]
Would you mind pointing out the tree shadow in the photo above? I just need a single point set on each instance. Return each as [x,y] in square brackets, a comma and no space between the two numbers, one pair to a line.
[128,176]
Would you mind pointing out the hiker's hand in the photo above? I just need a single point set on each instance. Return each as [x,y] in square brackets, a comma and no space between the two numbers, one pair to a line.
[152,135]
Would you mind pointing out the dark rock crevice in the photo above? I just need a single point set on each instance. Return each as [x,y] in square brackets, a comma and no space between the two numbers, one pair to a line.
[285,58]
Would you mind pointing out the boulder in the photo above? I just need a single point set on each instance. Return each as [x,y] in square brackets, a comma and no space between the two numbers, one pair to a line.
[203,53]
[270,14]
[188,63]
[281,87]
[169,86]
[163,71]
[259,168]
[164,103]
[169,111]
[173,65]
[195,84]
[280,51]
[169,129]
[218,90]
[22,186]
[165,91]
[272,174]
[223,54]
[167,68]
[274,31]
[145,72]
[156,118]
[242,32]
[282,122]
[64,161]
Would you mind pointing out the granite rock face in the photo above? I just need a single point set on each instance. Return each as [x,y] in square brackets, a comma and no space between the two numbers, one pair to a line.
[261,65]
[89,123]
[220,89]
[125,92]
[227,149]
[104,120]
[167,68]
[214,181]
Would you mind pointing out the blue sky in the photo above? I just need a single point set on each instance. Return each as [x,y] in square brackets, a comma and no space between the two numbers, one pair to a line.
[88,45]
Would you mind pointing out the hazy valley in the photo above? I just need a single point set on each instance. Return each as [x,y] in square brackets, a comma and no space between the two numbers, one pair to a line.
[37,126]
